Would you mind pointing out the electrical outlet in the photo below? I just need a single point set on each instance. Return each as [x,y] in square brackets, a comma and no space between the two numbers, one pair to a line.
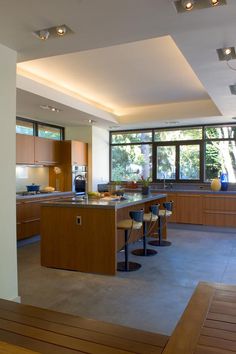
[78,220]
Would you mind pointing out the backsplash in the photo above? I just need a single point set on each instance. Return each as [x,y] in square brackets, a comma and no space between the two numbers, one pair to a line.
[28,175]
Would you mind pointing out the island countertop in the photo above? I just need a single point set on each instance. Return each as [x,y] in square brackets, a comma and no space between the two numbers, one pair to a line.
[130,200]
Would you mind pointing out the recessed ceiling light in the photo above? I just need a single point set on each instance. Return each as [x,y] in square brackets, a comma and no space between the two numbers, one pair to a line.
[43,35]
[226,53]
[172,122]
[232,89]
[188,5]
[91,121]
[61,30]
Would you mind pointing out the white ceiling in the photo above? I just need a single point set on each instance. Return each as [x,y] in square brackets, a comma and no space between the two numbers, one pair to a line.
[138,59]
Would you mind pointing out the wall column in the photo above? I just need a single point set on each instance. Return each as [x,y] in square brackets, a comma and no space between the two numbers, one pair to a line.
[8,255]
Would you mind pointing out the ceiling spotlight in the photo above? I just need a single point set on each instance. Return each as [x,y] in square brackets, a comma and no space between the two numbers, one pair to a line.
[43,35]
[188,4]
[50,108]
[91,121]
[214,2]
[232,89]
[226,53]
[61,30]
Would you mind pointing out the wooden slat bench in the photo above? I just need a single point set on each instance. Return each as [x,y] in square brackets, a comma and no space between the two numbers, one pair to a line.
[208,325]
[45,331]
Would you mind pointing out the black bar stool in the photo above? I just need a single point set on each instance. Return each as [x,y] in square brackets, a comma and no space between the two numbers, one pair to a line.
[163,214]
[128,225]
[149,219]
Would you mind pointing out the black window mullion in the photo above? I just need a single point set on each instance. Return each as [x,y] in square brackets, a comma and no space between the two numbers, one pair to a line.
[177,162]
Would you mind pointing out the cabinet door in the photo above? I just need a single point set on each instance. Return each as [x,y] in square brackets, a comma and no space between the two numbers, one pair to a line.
[219,210]
[24,149]
[79,153]
[189,209]
[47,151]
[28,219]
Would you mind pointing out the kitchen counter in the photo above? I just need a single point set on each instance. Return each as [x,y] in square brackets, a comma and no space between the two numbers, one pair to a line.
[21,197]
[83,235]
[131,199]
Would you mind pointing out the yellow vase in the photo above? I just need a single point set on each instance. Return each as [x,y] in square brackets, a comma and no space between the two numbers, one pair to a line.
[215,184]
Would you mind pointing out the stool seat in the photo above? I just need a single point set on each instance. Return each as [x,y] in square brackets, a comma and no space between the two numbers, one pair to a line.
[163,213]
[166,213]
[128,224]
[149,217]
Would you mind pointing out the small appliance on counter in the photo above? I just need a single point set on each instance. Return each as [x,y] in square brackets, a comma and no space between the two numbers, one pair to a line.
[79,179]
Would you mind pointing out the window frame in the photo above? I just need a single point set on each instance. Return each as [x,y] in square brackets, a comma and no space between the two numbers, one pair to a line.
[37,123]
[201,142]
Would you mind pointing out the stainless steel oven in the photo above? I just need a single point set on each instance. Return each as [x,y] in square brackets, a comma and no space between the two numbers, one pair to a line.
[79,179]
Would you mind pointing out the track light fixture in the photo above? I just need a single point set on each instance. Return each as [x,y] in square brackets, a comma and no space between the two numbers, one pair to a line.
[52,32]
[189,5]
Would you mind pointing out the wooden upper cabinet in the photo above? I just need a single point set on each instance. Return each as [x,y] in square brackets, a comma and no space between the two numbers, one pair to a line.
[47,151]
[74,153]
[24,149]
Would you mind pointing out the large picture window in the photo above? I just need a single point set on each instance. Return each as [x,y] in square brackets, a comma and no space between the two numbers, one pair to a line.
[187,154]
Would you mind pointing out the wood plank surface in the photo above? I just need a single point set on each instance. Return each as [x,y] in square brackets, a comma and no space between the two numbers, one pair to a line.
[213,329]
[49,331]
[6,348]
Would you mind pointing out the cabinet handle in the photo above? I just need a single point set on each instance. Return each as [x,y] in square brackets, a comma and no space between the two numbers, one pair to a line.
[41,161]
[28,221]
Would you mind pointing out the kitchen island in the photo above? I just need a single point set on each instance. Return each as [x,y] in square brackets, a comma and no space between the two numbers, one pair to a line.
[82,234]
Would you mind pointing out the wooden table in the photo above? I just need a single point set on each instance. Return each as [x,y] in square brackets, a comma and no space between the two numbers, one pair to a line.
[83,235]
[50,332]
[208,325]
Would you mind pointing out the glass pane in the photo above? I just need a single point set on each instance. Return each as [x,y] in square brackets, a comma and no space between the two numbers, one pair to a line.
[220,132]
[189,167]
[220,157]
[130,163]
[49,132]
[24,127]
[166,157]
[175,134]
[134,137]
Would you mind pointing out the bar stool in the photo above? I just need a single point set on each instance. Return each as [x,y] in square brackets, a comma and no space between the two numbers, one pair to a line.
[148,219]
[128,225]
[163,214]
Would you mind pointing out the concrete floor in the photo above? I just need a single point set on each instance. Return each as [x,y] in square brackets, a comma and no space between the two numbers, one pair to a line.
[152,298]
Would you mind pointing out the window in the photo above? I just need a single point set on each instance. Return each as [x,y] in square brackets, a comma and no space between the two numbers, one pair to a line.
[28,127]
[188,154]
[24,127]
[45,131]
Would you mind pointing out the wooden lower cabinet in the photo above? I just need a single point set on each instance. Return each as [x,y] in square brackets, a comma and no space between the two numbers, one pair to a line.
[28,215]
[189,209]
[219,210]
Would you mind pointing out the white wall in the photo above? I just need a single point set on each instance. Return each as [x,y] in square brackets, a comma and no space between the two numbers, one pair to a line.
[100,156]
[8,260]
[98,152]
[28,175]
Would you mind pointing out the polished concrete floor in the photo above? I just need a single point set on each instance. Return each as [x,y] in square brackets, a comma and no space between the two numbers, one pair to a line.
[153,298]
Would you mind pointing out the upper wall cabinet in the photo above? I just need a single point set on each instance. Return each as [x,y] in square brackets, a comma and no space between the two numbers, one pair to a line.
[74,152]
[47,151]
[36,150]
[24,149]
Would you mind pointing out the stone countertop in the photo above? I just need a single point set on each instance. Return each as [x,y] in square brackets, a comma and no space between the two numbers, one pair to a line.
[186,190]
[131,199]
[20,197]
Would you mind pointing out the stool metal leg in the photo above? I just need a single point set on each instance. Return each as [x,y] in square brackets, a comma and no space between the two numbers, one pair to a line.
[160,242]
[144,251]
[127,266]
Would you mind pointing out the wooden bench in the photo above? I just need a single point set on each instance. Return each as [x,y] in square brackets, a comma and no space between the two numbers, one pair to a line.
[45,331]
[208,325]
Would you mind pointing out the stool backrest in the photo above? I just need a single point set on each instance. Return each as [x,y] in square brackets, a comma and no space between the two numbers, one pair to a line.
[137,215]
[154,209]
[168,205]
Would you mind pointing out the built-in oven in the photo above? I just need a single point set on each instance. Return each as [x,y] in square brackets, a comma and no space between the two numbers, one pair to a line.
[79,179]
